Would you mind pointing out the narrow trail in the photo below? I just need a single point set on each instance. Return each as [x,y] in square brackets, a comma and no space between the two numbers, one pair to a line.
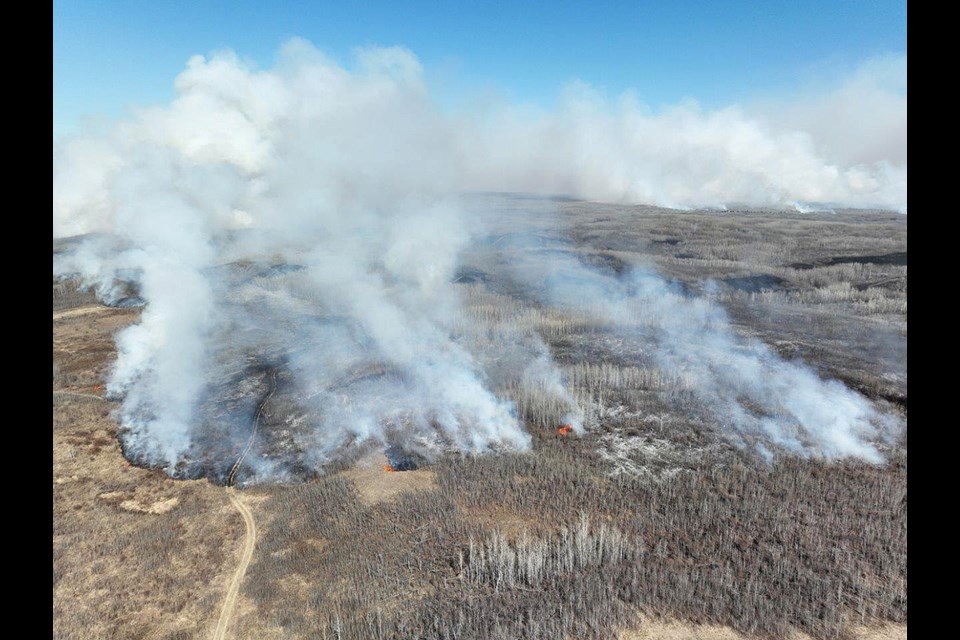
[229,604]
[250,542]
[81,311]
[78,394]
[253,435]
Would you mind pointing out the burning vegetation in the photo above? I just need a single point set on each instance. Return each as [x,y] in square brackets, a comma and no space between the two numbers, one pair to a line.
[304,279]
[654,508]
[400,459]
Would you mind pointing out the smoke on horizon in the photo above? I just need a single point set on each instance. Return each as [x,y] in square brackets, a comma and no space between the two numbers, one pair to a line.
[349,180]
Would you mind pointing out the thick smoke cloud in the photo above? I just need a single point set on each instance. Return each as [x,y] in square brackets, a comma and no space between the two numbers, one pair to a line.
[756,396]
[844,145]
[683,156]
[334,193]
[859,119]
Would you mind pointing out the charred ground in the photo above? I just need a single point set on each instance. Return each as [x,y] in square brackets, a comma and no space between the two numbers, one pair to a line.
[653,512]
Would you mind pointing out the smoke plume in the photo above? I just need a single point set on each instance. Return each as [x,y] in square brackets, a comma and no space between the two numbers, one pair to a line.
[308,215]
[757,397]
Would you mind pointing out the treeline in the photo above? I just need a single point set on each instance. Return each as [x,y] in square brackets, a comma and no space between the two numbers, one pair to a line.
[763,549]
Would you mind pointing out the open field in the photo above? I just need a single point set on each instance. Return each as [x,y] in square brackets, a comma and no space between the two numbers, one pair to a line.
[136,555]
[652,524]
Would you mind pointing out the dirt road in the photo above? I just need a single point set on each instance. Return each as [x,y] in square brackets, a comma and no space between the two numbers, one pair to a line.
[249,544]
[81,311]
[77,394]
[256,424]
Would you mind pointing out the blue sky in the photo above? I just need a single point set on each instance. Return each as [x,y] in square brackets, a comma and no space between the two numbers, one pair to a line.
[109,55]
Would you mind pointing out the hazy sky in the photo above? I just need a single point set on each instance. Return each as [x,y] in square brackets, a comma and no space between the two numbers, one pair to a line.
[110,55]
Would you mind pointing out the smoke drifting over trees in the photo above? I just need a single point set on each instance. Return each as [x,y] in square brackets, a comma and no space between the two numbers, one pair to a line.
[310,215]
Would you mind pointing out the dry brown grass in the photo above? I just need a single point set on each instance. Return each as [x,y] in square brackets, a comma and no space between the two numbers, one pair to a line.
[136,554]
[364,553]
[83,346]
[654,629]
[375,484]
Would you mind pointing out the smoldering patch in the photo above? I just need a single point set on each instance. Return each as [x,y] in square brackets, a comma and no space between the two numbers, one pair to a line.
[262,246]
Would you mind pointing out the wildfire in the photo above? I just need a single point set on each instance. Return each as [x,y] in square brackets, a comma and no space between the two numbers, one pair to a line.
[564,429]
[388,468]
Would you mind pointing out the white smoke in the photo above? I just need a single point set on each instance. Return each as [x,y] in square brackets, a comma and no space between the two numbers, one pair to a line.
[753,393]
[682,157]
[353,176]
[860,119]
[342,173]
[377,126]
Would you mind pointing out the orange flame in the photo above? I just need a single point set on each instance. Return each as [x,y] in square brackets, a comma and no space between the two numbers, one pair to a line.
[564,429]
[388,468]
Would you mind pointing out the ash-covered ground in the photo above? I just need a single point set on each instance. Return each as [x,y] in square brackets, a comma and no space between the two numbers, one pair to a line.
[667,508]
[826,289]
